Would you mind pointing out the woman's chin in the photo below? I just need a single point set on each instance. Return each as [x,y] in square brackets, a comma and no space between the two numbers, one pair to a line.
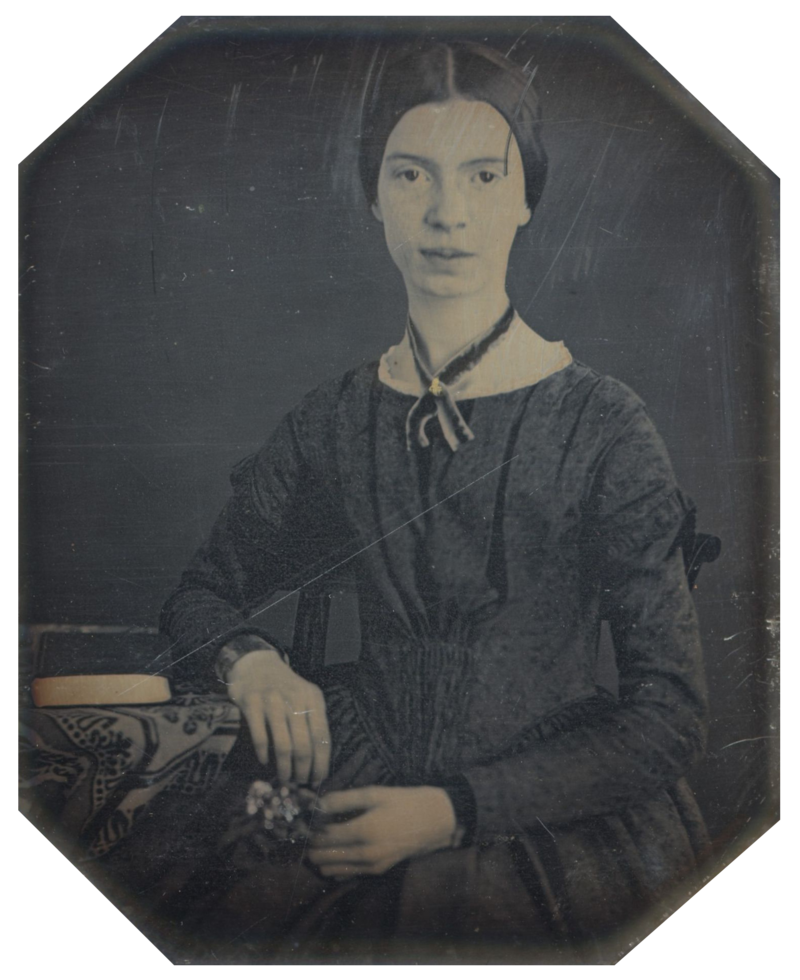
[446,286]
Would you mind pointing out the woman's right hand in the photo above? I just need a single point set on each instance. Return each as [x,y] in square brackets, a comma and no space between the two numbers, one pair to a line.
[278,704]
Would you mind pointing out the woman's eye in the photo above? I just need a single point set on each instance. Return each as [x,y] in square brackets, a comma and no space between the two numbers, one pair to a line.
[410,175]
[486,176]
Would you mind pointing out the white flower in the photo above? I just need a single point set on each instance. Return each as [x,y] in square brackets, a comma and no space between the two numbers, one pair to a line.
[256,795]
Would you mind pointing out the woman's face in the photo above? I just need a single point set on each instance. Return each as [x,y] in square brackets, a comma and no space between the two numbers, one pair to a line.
[449,206]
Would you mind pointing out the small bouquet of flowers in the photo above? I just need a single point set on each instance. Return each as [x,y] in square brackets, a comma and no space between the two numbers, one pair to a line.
[285,810]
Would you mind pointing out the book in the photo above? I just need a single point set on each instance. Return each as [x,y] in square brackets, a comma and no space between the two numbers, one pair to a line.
[98,689]
[100,665]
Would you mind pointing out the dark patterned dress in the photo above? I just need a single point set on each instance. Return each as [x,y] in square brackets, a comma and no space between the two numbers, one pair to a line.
[482,579]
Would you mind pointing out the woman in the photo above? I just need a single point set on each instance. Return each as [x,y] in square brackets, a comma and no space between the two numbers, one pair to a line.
[495,501]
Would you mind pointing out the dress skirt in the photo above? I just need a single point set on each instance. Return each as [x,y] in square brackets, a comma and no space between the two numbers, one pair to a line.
[234,893]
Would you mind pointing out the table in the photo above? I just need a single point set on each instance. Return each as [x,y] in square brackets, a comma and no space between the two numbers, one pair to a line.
[92,772]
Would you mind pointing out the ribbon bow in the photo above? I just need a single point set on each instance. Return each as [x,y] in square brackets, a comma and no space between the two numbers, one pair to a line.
[438,400]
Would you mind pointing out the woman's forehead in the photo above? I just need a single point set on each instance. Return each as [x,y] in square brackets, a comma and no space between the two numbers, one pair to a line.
[452,131]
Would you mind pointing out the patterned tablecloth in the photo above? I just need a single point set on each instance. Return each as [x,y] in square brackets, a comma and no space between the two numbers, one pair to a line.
[92,772]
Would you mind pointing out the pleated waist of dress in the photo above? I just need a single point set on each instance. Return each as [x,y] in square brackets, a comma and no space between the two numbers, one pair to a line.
[417,728]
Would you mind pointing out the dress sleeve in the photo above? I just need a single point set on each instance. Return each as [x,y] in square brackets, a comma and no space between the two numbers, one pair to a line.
[627,750]
[262,541]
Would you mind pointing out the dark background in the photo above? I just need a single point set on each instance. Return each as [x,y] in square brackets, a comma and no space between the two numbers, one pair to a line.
[197,253]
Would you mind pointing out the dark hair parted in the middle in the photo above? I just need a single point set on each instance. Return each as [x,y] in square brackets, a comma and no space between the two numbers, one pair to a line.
[436,73]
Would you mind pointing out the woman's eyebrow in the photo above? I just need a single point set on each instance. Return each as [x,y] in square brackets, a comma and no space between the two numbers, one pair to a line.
[481,160]
[433,165]
[422,161]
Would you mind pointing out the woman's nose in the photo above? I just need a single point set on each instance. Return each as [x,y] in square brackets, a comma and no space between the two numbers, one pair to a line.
[448,208]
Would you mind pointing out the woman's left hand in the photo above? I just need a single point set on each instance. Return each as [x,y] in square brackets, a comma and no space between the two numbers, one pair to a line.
[389,824]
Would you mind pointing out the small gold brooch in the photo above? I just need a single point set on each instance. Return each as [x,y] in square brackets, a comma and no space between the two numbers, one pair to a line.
[436,387]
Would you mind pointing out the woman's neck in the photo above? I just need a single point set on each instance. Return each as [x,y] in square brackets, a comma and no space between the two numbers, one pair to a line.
[446,325]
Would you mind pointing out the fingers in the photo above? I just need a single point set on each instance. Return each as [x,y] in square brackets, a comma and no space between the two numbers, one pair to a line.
[292,720]
[345,862]
[253,711]
[341,871]
[301,746]
[321,740]
[355,856]
[344,801]
[281,738]
[339,834]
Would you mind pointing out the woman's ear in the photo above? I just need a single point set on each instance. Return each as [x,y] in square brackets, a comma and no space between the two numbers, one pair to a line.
[376,210]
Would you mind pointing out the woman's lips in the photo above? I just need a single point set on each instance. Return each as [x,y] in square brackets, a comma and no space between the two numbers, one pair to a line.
[447,254]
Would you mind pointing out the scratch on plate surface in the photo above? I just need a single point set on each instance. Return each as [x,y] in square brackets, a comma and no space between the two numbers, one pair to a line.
[344,561]
[522,35]
[230,125]
[546,828]
[756,738]
[317,63]
[516,112]
[153,197]
[571,228]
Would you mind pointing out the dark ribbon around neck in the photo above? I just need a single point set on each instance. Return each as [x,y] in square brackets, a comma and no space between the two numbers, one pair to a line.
[438,400]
